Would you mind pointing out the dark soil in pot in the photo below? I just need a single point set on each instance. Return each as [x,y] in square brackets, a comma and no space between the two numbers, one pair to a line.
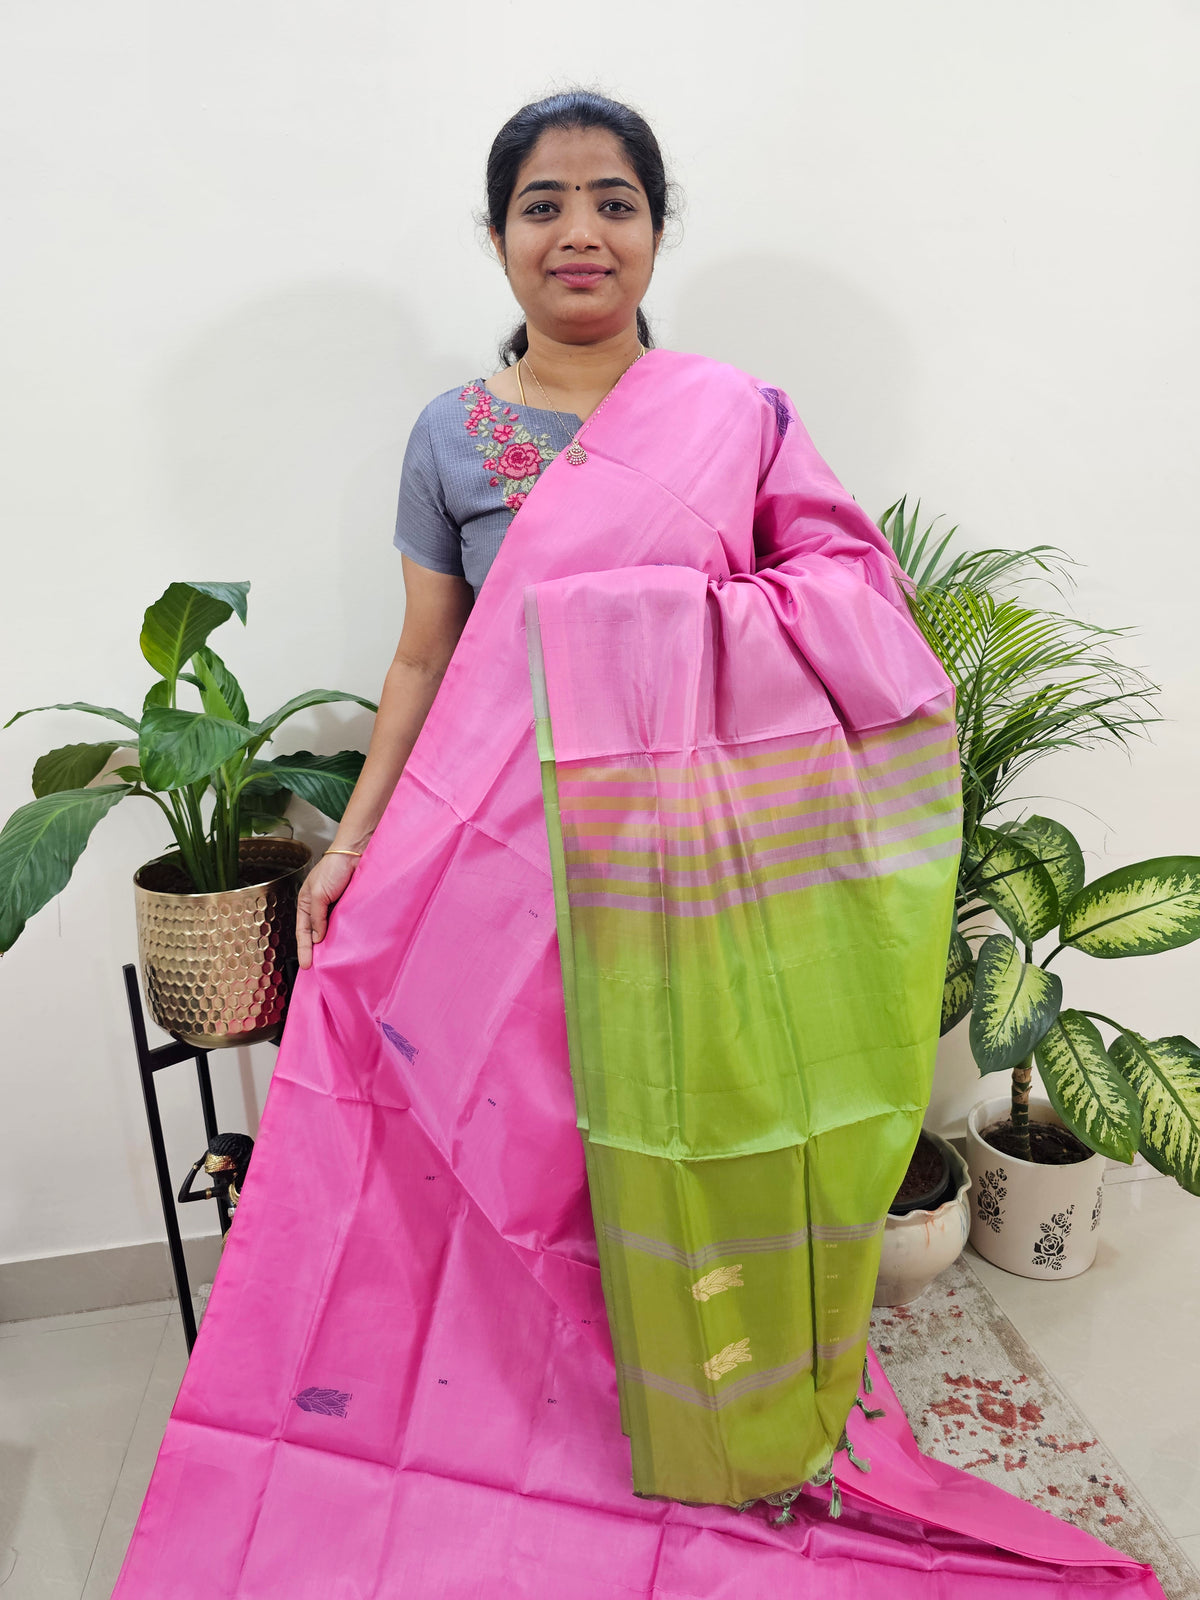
[1049,1145]
[928,1183]
[168,877]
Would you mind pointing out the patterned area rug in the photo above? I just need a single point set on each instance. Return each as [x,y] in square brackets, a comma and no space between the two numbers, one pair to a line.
[978,1398]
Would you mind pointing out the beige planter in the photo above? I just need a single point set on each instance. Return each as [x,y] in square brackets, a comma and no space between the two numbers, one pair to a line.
[1033,1220]
[215,966]
[918,1246]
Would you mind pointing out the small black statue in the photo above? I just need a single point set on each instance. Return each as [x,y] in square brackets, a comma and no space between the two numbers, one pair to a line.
[226,1161]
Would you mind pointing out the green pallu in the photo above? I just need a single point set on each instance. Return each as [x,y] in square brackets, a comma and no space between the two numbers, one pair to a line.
[753,941]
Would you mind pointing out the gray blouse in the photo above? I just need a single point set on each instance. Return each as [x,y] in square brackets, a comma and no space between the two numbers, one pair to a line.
[471,460]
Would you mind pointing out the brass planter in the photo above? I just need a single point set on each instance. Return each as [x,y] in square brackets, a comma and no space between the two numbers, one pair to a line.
[215,966]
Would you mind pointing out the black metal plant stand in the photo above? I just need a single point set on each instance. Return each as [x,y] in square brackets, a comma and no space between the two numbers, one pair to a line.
[151,1061]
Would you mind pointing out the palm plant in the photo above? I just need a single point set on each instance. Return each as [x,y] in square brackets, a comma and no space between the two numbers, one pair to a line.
[185,760]
[1030,683]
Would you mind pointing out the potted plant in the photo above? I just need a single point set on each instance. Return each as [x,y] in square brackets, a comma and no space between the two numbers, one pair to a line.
[927,1224]
[1030,682]
[215,914]
[1037,1170]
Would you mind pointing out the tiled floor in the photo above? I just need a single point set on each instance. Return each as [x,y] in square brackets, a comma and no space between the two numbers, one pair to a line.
[84,1399]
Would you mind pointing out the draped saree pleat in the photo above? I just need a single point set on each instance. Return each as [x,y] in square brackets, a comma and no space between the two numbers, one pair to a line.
[727,796]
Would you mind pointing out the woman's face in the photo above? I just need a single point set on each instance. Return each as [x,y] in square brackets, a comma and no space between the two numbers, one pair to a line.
[579,243]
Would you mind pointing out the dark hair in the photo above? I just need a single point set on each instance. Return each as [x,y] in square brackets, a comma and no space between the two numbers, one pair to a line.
[576,108]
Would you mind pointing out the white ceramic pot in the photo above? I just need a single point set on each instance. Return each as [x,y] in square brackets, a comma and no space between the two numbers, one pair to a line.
[1036,1221]
[918,1246]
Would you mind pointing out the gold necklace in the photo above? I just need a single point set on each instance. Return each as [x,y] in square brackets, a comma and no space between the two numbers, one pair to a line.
[575,453]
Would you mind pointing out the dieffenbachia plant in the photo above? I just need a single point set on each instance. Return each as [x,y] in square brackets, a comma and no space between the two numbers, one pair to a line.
[185,760]
[1130,1094]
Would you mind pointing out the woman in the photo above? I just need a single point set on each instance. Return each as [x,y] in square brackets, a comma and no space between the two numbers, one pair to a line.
[579,261]
[655,1208]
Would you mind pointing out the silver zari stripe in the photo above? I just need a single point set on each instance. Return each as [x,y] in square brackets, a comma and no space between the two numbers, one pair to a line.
[735,1247]
[731,1392]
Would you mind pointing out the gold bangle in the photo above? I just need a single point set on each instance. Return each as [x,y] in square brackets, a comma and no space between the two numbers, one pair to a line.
[341,852]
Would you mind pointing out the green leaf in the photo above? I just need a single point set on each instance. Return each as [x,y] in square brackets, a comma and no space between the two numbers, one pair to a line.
[182,618]
[233,595]
[39,846]
[983,567]
[79,705]
[1015,1004]
[181,747]
[71,766]
[1165,1076]
[326,782]
[300,702]
[263,823]
[1028,682]
[128,774]
[1136,911]
[158,694]
[263,809]
[1058,851]
[1087,1090]
[958,993]
[220,692]
[1006,875]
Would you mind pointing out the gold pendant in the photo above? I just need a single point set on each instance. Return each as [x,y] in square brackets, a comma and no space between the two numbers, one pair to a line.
[576,454]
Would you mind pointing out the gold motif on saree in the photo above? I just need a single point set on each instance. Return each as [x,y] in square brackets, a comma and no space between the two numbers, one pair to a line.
[718,1281]
[725,1360]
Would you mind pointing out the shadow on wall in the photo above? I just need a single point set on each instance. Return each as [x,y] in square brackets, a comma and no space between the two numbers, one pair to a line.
[957,1085]
[277,436]
[840,354]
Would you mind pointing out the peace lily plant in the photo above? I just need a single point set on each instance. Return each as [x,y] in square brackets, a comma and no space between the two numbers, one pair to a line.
[202,768]
[1030,682]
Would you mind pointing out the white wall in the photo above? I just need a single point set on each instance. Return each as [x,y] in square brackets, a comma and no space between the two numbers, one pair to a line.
[240,255]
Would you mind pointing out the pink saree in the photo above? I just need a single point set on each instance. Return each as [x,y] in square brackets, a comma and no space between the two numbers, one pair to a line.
[519,1301]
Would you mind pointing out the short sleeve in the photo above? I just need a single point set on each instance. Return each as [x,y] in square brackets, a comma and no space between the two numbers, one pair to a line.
[425,530]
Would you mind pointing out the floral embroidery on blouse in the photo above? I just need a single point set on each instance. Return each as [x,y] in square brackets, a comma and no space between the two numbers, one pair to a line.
[512,456]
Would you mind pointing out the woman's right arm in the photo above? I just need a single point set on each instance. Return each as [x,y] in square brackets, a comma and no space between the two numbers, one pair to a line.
[436,609]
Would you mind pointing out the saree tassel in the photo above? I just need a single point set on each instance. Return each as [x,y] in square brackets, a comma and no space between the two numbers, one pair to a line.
[868,1386]
[870,1412]
[844,1444]
[820,1479]
[783,1500]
